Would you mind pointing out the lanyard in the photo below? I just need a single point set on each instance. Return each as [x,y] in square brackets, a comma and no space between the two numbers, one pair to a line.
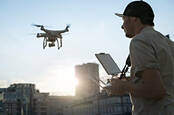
[126,67]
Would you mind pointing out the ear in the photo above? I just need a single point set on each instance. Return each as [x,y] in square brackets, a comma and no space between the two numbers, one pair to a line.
[134,18]
[138,19]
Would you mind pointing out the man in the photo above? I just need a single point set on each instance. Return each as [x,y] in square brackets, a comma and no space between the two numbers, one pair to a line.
[152,63]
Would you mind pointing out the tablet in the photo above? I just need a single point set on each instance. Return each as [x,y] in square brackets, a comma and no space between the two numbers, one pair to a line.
[108,63]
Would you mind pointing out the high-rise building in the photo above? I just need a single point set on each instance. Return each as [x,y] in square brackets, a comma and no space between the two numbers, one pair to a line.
[17,99]
[88,77]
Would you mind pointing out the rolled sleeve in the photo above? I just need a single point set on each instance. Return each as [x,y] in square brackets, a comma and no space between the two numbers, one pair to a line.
[142,55]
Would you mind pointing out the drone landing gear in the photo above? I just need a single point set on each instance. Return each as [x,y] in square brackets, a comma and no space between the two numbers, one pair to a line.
[52,44]
[58,43]
[44,42]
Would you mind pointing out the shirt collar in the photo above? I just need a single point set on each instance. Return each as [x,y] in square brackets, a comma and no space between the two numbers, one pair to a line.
[147,28]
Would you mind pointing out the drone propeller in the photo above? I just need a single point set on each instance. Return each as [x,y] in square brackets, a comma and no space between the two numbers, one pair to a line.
[37,25]
[32,34]
[68,25]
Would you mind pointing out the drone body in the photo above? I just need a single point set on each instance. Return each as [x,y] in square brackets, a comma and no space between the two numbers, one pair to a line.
[51,36]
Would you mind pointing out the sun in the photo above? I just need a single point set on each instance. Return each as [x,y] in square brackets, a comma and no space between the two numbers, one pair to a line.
[67,83]
[59,81]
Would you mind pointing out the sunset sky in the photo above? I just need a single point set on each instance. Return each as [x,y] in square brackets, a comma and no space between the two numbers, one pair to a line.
[94,29]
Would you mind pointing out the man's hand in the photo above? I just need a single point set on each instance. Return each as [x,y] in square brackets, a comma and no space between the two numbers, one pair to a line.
[118,87]
[150,86]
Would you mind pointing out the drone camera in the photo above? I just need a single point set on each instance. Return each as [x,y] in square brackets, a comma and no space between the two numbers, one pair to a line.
[51,44]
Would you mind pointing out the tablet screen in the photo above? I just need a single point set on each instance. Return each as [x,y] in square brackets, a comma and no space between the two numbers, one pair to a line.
[108,63]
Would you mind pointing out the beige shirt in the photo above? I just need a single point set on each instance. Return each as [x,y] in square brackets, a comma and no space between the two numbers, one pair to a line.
[150,49]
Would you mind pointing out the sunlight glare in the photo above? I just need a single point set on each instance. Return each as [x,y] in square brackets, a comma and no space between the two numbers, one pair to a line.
[59,81]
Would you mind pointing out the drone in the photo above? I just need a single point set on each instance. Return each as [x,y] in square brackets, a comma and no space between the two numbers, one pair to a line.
[51,36]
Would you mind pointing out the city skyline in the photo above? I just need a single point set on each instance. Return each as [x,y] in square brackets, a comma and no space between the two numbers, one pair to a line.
[94,29]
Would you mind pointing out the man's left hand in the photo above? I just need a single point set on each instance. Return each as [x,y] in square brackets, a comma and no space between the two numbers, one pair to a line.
[118,86]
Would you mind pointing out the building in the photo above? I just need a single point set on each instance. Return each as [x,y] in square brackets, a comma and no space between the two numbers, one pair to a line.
[40,103]
[17,99]
[57,104]
[88,76]
[100,105]
[1,100]
[24,99]
[90,101]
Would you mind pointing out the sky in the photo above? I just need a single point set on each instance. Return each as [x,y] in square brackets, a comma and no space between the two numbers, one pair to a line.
[94,29]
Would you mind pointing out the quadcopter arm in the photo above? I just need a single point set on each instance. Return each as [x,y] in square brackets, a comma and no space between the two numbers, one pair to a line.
[41,27]
[41,35]
[65,30]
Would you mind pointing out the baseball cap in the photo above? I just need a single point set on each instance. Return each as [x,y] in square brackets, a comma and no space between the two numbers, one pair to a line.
[139,9]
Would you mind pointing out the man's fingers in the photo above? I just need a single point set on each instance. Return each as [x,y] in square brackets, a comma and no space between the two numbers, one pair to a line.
[109,87]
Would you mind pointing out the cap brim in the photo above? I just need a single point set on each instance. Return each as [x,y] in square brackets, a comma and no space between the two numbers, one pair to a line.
[120,15]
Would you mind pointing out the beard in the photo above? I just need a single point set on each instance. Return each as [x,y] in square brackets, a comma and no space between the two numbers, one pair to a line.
[129,34]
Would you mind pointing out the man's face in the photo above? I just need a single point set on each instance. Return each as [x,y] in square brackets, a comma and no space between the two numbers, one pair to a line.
[128,26]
